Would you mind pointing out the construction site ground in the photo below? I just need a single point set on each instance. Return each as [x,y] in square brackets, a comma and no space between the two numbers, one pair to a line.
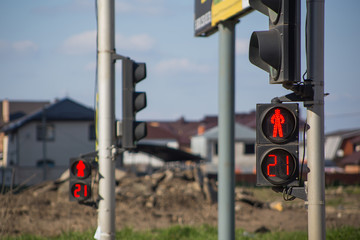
[172,197]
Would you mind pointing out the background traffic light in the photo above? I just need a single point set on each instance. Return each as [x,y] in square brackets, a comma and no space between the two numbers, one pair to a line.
[277,144]
[133,102]
[80,179]
[277,51]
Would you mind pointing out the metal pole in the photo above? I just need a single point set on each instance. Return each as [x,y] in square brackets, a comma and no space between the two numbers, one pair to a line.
[226,173]
[315,115]
[44,136]
[106,119]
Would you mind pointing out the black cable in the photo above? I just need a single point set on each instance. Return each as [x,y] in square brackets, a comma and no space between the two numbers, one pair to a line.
[304,150]
[287,194]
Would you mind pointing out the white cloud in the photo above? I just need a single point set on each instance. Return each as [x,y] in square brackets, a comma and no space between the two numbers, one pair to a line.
[241,46]
[178,65]
[147,7]
[140,42]
[25,46]
[82,43]
[18,47]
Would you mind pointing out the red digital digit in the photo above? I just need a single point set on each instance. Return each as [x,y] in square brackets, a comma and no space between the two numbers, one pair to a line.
[85,191]
[77,189]
[271,165]
[287,165]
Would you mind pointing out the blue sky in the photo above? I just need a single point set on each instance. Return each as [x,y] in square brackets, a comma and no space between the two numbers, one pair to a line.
[48,51]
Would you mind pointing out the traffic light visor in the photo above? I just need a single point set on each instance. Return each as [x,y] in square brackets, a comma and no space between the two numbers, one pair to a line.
[265,51]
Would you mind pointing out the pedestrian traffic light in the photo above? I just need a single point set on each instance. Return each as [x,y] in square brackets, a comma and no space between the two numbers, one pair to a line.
[277,51]
[133,102]
[277,144]
[80,179]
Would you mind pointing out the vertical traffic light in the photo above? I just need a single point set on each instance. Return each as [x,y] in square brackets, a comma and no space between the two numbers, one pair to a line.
[80,179]
[277,144]
[133,102]
[277,51]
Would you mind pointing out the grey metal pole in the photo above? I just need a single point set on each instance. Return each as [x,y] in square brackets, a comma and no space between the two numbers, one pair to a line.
[44,135]
[106,119]
[226,173]
[315,115]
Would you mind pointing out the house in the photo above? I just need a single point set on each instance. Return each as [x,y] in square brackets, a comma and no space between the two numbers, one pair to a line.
[342,149]
[12,110]
[206,145]
[181,130]
[161,145]
[38,146]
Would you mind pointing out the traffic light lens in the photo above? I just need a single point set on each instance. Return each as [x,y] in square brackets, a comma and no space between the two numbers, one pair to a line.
[278,166]
[80,169]
[278,125]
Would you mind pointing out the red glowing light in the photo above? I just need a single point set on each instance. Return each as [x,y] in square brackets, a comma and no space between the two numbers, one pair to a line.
[80,190]
[271,165]
[77,190]
[80,167]
[287,165]
[274,165]
[277,119]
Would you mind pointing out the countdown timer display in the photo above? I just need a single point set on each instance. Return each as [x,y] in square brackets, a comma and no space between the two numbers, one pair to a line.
[80,191]
[278,166]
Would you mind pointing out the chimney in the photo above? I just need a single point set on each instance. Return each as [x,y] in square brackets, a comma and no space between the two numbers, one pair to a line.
[6,111]
[201,129]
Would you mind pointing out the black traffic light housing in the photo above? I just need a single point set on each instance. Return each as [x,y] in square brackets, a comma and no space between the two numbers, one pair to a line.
[80,179]
[133,102]
[277,50]
[277,144]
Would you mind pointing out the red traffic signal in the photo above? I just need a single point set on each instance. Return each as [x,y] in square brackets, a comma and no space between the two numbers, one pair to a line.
[278,124]
[80,169]
[80,179]
[277,143]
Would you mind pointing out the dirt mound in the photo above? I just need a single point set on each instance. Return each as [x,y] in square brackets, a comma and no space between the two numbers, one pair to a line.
[160,200]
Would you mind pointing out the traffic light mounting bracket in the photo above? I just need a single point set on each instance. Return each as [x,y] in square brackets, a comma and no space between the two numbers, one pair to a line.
[302,92]
[294,192]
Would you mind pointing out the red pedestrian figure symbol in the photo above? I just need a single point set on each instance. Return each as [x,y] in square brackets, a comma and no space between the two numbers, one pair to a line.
[277,119]
[80,169]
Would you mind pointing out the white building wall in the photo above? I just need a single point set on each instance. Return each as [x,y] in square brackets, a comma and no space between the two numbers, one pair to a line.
[200,146]
[71,140]
[24,150]
[209,149]
[244,163]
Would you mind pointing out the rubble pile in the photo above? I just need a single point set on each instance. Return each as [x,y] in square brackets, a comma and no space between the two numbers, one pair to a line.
[167,190]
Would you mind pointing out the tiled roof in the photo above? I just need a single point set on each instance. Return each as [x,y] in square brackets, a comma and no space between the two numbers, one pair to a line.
[18,109]
[182,130]
[62,110]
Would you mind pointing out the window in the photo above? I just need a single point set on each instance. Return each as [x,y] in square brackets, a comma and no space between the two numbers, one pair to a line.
[49,163]
[92,132]
[49,132]
[216,149]
[249,148]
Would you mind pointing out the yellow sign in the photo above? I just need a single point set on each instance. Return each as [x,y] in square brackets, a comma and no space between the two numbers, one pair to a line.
[208,13]
[224,9]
